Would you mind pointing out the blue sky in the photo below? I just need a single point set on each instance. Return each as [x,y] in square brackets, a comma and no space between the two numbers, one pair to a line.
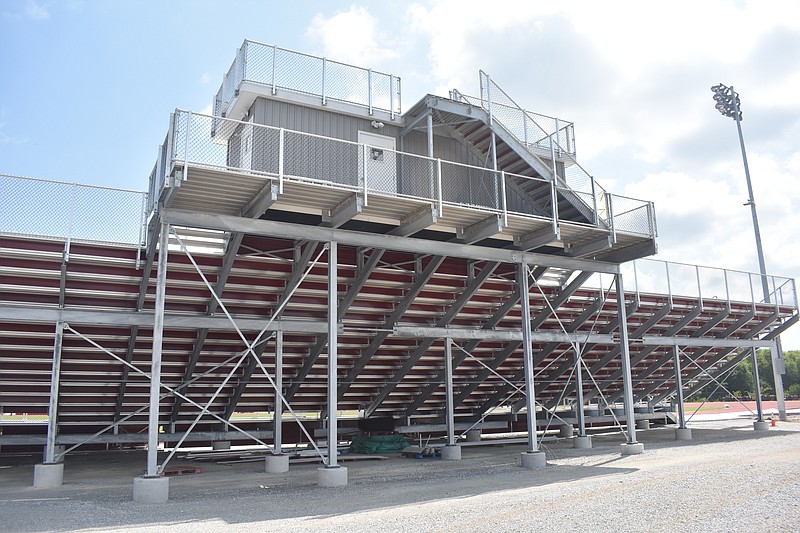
[87,87]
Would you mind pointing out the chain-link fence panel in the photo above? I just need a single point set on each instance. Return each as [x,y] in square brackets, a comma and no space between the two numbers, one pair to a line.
[418,176]
[466,185]
[631,215]
[71,211]
[346,83]
[287,70]
[528,196]
[322,159]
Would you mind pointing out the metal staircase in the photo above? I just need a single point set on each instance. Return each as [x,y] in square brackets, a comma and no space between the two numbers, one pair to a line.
[534,145]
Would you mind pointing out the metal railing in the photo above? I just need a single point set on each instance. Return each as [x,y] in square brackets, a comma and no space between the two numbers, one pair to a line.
[681,280]
[281,69]
[287,155]
[545,137]
[55,209]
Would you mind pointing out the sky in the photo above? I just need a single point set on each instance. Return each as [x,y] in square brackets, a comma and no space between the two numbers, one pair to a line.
[86,88]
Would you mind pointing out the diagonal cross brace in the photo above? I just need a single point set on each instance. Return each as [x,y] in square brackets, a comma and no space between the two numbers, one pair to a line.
[402,306]
[443,321]
[322,340]
[460,356]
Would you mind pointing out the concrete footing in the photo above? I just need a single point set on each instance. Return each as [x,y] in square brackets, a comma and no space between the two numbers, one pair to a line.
[566,430]
[151,489]
[643,424]
[276,464]
[474,435]
[221,445]
[451,452]
[533,460]
[761,426]
[632,448]
[582,443]
[332,477]
[48,475]
[683,434]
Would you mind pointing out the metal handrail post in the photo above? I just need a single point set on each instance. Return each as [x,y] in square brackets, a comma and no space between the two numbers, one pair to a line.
[503,197]
[281,158]
[186,147]
[369,89]
[439,184]
[274,64]
[324,64]
[594,203]
[364,159]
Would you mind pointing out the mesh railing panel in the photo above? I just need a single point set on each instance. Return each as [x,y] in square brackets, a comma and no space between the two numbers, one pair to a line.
[70,211]
[287,70]
[631,216]
[418,176]
[528,196]
[322,159]
[465,185]
[349,84]
[692,281]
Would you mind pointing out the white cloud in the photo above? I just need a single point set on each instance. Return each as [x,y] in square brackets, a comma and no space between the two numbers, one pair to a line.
[36,11]
[351,36]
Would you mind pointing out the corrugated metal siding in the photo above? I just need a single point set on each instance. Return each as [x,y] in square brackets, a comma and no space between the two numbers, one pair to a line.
[315,120]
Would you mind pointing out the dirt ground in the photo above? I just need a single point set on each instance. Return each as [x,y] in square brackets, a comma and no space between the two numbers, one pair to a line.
[728,478]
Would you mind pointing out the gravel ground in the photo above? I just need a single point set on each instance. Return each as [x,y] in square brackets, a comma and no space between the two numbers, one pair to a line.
[729,478]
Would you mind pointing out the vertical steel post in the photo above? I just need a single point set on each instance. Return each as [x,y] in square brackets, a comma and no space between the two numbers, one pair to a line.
[757,380]
[579,391]
[333,339]
[281,158]
[55,381]
[448,376]
[625,355]
[274,61]
[369,89]
[429,124]
[679,388]
[324,64]
[527,350]
[277,426]
[158,339]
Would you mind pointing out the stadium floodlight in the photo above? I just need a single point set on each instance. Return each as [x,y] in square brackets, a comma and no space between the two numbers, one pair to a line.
[728,104]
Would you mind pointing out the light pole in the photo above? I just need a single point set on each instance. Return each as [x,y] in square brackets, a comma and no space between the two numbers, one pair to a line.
[728,104]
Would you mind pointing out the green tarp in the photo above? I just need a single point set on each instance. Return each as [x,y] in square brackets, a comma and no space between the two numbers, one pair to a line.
[378,444]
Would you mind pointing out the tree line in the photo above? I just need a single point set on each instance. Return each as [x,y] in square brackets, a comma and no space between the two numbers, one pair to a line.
[740,382]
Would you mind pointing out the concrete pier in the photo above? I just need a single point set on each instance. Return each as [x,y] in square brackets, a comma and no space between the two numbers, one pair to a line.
[276,464]
[582,443]
[683,434]
[151,489]
[332,477]
[451,452]
[632,449]
[48,475]
[533,460]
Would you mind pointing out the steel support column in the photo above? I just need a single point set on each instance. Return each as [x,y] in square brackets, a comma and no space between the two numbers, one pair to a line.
[527,348]
[448,373]
[626,360]
[55,381]
[333,336]
[679,388]
[757,380]
[158,339]
[579,391]
[277,429]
